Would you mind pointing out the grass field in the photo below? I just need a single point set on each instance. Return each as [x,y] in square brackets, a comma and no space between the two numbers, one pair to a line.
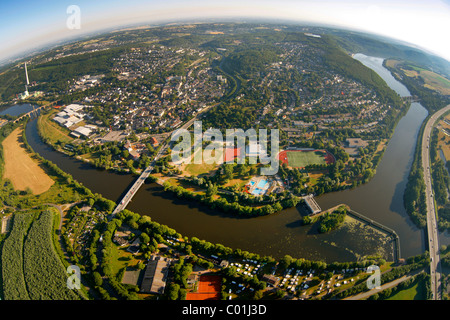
[196,169]
[414,292]
[301,159]
[20,169]
[51,131]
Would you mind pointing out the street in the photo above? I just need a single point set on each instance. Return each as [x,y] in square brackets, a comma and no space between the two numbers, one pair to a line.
[432,228]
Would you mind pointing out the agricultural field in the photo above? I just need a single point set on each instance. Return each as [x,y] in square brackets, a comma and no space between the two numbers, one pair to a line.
[432,80]
[23,172]
[444,137]
[436,82]
[31,268]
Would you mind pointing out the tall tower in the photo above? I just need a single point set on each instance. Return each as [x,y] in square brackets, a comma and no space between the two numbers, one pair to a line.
[28,82]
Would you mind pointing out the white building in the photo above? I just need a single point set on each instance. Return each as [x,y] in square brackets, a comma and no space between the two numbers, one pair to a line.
[70,115]
[254,149]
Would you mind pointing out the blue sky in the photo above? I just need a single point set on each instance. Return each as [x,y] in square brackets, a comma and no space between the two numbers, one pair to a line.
[27,24]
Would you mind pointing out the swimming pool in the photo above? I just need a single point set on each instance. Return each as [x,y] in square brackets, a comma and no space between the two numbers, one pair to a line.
[257,191]
[262,183]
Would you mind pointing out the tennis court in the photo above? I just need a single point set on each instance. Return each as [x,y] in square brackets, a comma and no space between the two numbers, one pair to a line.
[208,288]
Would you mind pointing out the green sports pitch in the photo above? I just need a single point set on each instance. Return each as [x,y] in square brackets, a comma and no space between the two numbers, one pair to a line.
[303,158]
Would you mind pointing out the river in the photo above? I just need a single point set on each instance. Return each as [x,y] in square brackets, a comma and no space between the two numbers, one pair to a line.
[281,233]
[17,109]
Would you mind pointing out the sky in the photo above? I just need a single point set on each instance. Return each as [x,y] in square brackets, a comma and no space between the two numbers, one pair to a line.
[27,24]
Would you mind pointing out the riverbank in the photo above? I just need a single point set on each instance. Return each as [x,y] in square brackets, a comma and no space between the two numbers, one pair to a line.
[281,233]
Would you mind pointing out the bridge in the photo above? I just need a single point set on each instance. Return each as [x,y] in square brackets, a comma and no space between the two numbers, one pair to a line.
[139,182]
[411,99]
[146,173]
[34,111]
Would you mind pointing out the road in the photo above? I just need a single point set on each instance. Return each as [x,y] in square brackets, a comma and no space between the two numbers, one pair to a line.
[432,228]
[144,175]
[394,283]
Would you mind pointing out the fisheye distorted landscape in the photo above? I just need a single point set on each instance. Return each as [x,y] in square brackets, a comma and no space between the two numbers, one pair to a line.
[229,151]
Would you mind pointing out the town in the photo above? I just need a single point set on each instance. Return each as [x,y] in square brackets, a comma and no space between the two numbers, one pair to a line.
[119,111]
[118,119]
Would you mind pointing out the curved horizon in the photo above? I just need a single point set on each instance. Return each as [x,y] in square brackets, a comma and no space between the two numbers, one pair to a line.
[27,25]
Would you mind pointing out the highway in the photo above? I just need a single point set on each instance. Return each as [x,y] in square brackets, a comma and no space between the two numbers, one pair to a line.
[144,175]
[432,228]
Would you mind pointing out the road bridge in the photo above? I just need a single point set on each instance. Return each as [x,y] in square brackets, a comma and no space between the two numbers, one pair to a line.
[146,173]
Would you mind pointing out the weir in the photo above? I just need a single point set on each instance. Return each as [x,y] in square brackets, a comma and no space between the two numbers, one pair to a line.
[381,227]
[312,204]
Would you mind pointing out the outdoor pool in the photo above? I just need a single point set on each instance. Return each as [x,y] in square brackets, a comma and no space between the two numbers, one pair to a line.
[258,191]
[262,183]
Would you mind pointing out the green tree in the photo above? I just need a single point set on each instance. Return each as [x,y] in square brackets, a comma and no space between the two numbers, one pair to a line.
[98,280]
[173,291]
[211,190]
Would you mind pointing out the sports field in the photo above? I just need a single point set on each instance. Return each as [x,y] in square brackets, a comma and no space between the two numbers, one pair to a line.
[20,169]
[303,158]
[208,288]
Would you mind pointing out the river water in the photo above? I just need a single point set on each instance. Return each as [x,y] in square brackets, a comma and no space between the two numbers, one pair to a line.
[281,233]
[17,109]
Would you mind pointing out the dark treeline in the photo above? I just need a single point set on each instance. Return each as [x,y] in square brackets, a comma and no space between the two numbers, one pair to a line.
[414,195]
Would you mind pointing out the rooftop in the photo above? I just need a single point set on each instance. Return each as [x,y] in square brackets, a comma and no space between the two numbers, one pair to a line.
[155,275]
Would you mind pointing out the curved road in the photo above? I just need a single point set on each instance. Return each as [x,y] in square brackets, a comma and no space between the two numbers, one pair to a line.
[432,228]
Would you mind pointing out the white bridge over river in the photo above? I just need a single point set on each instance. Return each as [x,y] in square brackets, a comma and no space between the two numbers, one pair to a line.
[146,173]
